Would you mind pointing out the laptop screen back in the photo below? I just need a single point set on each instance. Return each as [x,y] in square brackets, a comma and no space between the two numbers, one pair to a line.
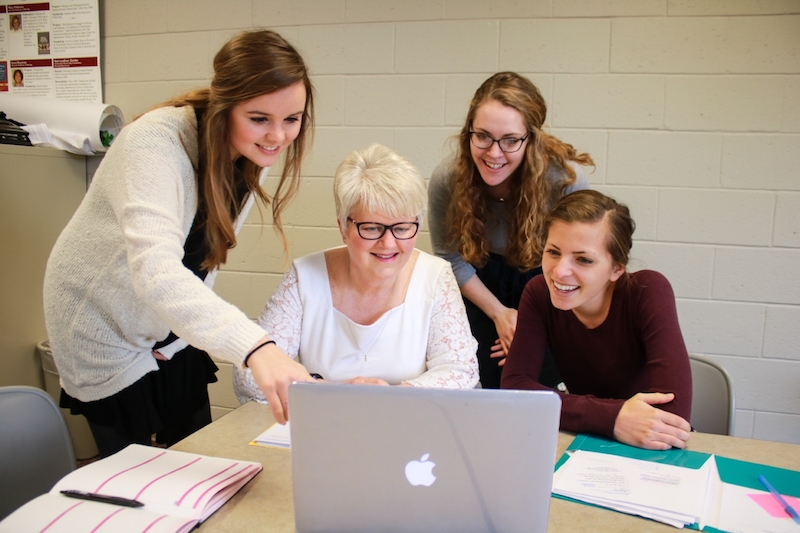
[370,458]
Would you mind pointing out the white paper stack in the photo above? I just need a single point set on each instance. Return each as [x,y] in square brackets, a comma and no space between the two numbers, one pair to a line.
[670,494]
[276,436]
[674,495]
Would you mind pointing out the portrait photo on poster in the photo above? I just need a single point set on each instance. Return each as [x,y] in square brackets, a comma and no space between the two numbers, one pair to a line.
[43,38]
[18,78]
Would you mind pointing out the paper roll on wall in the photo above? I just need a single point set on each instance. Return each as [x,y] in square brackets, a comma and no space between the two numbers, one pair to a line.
[79,127]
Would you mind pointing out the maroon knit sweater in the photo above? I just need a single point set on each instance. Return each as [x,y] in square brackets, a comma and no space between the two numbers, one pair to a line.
[639,348]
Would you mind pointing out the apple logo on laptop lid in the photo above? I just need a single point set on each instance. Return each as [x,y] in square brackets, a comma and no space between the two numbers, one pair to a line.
[421,472]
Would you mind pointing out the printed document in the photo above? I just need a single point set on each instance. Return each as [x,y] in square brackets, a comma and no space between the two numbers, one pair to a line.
[674,495]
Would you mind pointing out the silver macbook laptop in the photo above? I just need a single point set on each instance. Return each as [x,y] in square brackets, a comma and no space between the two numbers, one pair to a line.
[400,459]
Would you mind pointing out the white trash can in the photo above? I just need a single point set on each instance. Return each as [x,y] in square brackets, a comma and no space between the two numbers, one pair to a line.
[82,439]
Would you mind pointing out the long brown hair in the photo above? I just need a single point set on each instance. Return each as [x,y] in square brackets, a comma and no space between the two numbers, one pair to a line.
[251,64]
[531,193]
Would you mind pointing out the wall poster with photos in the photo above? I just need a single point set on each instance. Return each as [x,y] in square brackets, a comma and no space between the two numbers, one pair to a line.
[51,49]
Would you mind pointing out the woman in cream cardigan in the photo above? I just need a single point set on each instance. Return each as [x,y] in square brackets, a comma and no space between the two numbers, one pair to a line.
[129,307]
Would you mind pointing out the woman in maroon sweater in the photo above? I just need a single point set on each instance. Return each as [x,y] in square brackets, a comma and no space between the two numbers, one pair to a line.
[614,335]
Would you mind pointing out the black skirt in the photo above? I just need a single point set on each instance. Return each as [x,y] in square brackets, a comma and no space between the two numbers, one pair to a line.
[506,283]
[162,402]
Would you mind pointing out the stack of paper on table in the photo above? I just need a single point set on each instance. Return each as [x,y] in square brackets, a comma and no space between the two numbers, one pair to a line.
[677,487]
[276,436]
[178,490]
[670,494]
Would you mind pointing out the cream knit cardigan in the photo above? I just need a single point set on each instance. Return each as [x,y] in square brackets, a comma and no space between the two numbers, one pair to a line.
[115,283]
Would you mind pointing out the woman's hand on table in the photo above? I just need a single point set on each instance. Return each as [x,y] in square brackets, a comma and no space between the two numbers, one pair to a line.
[641,424]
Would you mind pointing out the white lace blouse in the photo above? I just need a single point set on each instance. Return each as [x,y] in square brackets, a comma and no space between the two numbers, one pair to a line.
[425,341]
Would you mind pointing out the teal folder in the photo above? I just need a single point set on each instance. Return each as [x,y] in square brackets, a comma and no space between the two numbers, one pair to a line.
[732,471]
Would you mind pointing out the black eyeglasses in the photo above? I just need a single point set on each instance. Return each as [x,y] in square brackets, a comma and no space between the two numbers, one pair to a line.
[372,231]
[506,144]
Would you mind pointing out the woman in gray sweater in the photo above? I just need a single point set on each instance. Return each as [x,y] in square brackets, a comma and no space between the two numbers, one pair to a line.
[488,203]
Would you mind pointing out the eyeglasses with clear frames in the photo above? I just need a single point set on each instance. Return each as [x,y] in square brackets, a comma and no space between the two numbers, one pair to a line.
[506,144]
[372,231]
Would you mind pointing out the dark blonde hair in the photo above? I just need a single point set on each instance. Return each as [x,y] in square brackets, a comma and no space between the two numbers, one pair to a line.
[591,207]
[531,192]
[251,64]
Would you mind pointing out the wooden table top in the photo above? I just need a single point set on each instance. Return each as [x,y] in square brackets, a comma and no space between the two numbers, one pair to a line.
[265,504]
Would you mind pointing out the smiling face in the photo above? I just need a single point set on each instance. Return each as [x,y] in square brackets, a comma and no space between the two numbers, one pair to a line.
[495,166]
[579,270]
[263,127]
[380,259]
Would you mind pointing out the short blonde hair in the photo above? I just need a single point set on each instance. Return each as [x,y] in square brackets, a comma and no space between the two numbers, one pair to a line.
[379,180]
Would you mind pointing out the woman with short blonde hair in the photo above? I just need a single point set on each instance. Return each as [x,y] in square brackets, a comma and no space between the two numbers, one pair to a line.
[375,310]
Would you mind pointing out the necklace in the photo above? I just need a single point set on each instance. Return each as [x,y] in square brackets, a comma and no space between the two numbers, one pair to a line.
[364,352]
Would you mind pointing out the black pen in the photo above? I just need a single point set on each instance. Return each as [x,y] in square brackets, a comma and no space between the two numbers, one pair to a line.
[91,496]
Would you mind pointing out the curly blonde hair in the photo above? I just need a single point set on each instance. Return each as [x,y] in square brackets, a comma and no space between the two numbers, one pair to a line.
[531,192]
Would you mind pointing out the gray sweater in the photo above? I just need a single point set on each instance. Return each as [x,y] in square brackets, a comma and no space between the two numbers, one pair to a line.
[440,192]
[115,283]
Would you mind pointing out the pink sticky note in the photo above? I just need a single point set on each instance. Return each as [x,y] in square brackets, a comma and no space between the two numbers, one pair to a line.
[771,505]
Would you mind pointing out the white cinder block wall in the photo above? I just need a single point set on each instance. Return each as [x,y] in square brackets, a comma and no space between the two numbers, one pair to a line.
[690,108]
